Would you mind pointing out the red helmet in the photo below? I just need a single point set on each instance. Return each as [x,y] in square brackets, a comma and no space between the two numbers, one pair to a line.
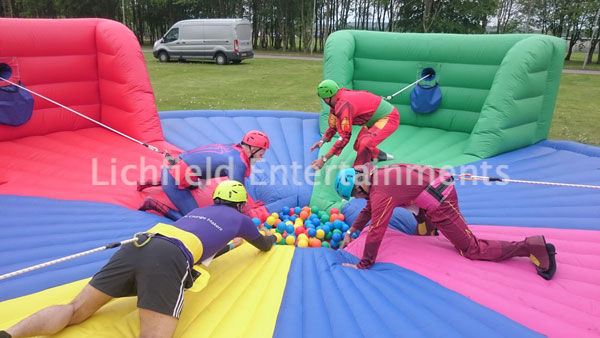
[256,138]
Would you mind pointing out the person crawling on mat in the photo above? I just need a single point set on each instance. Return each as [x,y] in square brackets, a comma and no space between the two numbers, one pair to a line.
[157,268]
[378,117]
[185,173]
[432,190]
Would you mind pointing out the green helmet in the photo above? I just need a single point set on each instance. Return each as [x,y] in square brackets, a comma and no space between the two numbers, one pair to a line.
[327,88]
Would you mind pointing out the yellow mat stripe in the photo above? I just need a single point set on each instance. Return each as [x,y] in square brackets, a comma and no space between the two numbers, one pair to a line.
[242,299]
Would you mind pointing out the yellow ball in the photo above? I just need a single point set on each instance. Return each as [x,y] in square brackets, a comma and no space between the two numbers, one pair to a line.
[290,240]
[275,215]
[289,222]
[320,233]
[303,237]
[278,236]
[262,232]
[271,220]
[302,243]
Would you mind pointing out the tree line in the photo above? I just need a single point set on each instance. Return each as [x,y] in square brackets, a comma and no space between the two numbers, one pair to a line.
[305,24]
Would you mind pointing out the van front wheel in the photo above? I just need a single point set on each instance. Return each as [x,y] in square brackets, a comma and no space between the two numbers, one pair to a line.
[221,59]
[163,56]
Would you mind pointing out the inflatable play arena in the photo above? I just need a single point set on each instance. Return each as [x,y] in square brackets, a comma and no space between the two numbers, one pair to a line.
[79,128]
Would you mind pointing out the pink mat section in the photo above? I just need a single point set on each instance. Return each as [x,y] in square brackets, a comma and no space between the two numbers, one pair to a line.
[566,306]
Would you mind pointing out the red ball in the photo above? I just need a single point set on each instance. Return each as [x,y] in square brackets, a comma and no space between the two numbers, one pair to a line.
[334,211]
[300,230]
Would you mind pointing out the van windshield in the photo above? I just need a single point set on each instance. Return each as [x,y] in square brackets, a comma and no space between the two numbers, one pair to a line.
[244,32]
[172,35]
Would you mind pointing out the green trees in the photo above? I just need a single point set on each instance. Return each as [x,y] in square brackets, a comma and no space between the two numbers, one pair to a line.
[305,24]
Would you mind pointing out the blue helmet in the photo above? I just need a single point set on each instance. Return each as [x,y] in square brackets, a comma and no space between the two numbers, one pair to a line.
[344,182]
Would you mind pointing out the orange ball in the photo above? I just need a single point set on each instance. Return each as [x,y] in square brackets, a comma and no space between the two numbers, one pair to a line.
[341,217]
[314,243]
[333,218]
[304,214]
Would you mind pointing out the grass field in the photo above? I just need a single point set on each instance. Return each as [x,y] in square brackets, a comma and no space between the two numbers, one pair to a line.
[576,62]
[285,84]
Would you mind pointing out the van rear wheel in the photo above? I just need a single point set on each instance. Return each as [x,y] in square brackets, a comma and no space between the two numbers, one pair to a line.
[163,56]
[221,59]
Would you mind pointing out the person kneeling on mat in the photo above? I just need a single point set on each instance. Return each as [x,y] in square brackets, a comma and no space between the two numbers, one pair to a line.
[378,117]
[156,268]
[432,190]
[190,169]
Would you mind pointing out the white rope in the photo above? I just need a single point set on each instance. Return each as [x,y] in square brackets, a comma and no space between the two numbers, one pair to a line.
[405,88]
[64,259]
[85,117]
[497,179]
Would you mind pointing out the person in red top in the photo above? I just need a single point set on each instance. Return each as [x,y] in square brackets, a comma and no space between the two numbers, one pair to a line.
[351,107]
[432,190]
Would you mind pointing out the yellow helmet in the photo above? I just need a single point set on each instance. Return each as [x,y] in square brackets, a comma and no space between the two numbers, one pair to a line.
[232,191]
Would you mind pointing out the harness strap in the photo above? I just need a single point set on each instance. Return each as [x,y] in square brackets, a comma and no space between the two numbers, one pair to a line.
[189,240]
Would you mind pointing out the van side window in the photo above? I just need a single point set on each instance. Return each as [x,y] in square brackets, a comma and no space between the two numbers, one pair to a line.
[172,35]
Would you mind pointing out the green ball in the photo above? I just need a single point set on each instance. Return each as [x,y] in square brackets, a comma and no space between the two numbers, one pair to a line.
[338,231]
[325,244]
[329,234]
[324,219]
[315,209]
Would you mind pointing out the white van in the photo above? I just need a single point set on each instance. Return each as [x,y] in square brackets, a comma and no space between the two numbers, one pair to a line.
[221,39]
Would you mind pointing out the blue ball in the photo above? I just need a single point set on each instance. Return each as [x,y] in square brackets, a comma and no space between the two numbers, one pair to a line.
[336,237]
[308,224]
[289,228]
[316,221]
[328,224]
[256,221]
[334,244]
[293,218]
[297,210]
[337,224]
[286,210]
[281,227]
[312,232]
[345,227]
[355,234]
[327,229]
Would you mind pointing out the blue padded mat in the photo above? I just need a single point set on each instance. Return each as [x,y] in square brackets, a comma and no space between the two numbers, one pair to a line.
[386,301]
[279,180]
[34,230]
[531,205]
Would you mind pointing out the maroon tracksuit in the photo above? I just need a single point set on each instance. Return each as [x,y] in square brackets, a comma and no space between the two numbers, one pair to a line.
[404,183]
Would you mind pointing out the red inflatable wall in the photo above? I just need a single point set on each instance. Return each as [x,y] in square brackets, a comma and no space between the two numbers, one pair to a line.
[93,66]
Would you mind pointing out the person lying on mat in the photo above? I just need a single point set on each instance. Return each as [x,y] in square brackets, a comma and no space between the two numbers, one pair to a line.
[191,168]
[378,117]
[157,268]
[432,190]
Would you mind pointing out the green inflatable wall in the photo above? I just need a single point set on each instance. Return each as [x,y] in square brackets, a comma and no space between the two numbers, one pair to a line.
[498,94]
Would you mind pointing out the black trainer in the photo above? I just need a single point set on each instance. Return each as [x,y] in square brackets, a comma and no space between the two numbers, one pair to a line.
[383,156]
[549,273]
